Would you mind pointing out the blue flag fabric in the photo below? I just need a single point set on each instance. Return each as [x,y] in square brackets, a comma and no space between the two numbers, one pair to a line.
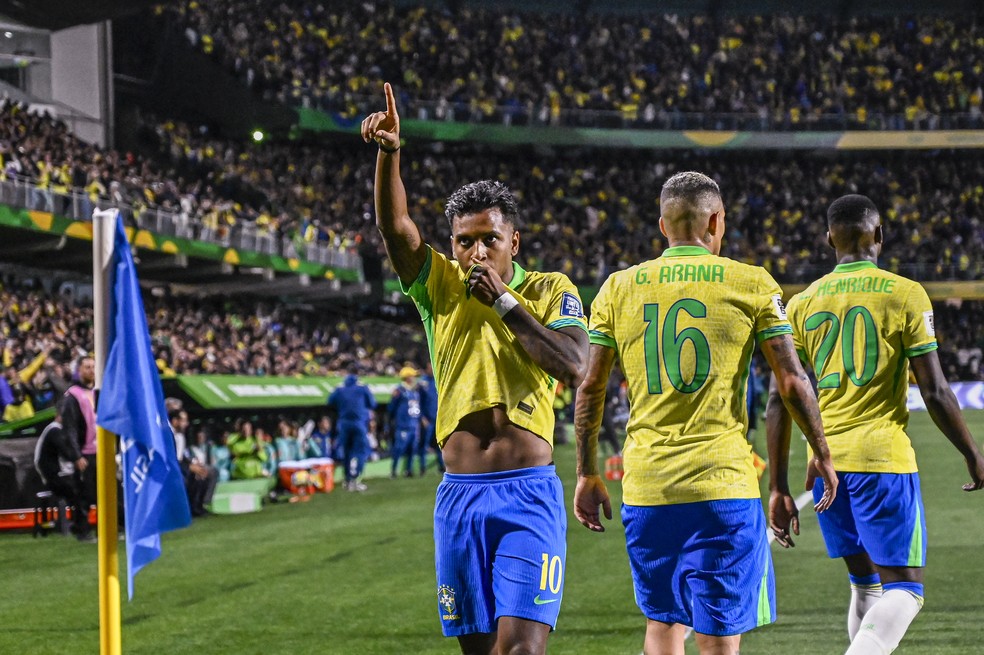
[131,404]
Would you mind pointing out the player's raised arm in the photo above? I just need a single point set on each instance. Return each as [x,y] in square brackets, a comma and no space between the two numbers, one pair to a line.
[404,245]
[792,387]
[945,412]
[589,408]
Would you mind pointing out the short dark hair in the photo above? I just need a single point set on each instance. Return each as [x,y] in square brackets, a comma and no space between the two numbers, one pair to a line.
[690,186]
[850,210]
[478,196]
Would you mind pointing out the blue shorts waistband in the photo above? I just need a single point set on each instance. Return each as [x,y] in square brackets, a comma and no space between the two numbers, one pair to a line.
[501,476]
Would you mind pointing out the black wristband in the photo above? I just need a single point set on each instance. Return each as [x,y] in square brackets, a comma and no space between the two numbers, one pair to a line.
[388,151]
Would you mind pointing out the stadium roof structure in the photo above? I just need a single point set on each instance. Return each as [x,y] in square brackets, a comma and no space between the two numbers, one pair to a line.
[59,14]
[41,240]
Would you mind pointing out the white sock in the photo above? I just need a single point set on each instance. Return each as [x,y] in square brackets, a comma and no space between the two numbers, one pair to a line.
[863,598]
[885,623]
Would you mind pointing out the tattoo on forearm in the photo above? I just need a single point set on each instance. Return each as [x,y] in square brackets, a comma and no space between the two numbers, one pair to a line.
[559,354]
[587,421]
[801,403]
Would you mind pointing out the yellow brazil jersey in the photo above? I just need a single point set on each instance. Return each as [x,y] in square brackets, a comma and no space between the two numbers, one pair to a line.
[857,327]
[478,362]
[685,326]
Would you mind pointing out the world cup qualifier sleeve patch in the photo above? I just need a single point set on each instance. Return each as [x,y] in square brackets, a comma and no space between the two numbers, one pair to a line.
[780,308]
[930,325]
[571,306]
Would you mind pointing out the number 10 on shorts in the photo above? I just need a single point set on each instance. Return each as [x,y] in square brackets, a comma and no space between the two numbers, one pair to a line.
[552,572]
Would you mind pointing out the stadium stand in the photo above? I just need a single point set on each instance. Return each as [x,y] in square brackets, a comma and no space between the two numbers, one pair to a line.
[640,70]
[588,212]
[43,333]
[199,194]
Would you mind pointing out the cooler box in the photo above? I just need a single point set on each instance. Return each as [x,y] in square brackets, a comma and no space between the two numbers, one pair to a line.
[613,468]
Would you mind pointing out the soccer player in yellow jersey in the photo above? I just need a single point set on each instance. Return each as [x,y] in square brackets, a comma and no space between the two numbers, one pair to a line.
[684,327]
[860,328]
[499,337]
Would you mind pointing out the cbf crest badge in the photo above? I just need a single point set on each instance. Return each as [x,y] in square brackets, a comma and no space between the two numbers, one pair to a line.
[445,598]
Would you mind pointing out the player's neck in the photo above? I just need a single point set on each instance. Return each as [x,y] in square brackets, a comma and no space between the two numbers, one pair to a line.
[852,257]
[677,243]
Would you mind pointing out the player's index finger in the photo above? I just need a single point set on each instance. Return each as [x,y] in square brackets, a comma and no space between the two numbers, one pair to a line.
[390,99]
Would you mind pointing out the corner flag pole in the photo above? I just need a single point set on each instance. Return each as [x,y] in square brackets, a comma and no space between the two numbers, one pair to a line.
[103,231]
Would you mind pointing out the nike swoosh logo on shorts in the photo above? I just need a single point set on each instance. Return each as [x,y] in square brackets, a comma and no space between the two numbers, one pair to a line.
[537,601]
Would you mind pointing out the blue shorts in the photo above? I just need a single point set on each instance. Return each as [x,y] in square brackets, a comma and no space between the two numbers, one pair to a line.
[876,513]
[500,542]
[706,564]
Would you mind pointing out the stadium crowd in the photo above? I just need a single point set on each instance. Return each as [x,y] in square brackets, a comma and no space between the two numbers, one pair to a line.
[588,212]
[210,188]
[640,69]
[43,335]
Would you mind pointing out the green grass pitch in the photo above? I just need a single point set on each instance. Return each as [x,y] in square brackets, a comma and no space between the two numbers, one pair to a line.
[353,574]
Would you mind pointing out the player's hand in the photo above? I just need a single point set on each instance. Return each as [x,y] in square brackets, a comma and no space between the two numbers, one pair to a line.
[485,284]
[588,496]
[81,464]
[824,469]
[383,127]
[783,517]
[976,468]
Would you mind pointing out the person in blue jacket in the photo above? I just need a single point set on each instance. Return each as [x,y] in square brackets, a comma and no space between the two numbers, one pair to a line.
[428,405]
[353,404]
[404,411]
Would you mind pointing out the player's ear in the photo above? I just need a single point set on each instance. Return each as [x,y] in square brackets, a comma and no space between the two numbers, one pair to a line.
[879,236]
[830,241]
[515,241]
[662,228]
[715,224]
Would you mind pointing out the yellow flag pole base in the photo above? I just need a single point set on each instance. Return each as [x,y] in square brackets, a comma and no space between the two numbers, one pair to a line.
[107,544]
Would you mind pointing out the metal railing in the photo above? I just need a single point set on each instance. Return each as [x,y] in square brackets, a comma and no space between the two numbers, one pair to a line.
[244,235]
[641,118]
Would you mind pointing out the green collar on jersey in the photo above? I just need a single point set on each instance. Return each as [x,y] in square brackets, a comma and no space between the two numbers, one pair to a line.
[519,275]
[686,251]
[850,267]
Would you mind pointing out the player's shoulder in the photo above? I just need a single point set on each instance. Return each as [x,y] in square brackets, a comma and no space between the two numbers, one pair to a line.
[546,278]
[637,273]
[745,277]
[438,260]
[752,271]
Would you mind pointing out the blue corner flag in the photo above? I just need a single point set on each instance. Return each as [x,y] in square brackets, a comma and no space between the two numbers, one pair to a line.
[131,404]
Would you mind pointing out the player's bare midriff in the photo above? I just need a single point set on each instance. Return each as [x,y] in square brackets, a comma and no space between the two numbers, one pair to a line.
[486,442]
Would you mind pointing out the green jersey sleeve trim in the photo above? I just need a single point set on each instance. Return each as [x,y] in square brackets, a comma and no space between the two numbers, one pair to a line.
[773,332]
[418,290]
[601,339]
[421,276]
[566,322]
[920,350]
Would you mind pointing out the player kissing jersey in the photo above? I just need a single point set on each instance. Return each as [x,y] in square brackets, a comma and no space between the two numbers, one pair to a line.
[687,323]
[477,360]
[856,327]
